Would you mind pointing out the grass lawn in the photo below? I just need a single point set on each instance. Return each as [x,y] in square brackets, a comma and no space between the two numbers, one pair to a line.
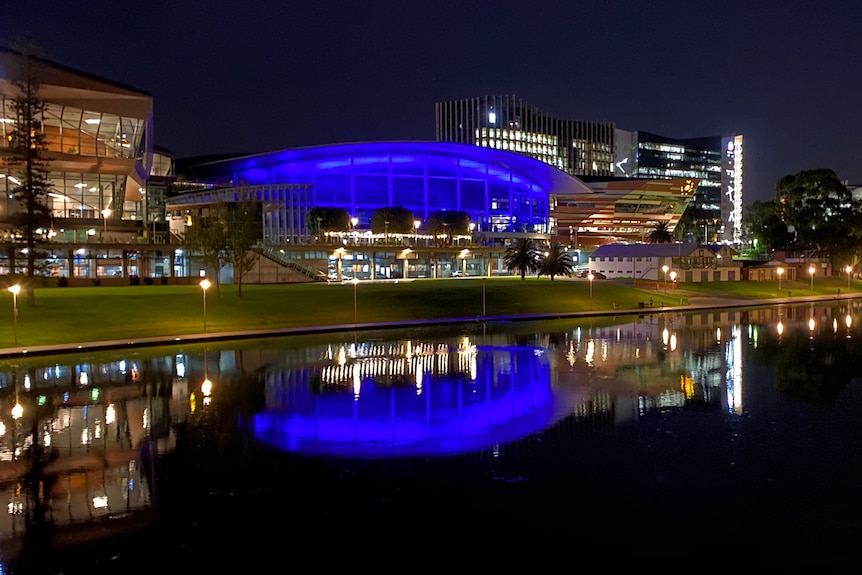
[87,314]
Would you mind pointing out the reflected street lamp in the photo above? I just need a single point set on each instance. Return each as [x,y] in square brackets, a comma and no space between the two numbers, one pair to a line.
[780,272]
[15,290]
[205,284]
[811,272]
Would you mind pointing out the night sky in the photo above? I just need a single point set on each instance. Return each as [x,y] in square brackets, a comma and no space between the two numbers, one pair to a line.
[255,76]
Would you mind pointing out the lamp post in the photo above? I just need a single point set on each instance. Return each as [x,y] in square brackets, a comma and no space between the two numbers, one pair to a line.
[664,269]
[591,277]
[339,264]
[811,273]
[849,270]
[105,213]
[673,277]
[15,290]
[355,283]
[780,272]
[353,222]
[205,284]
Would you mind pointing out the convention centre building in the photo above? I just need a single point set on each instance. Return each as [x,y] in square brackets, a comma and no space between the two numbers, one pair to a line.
[119,209]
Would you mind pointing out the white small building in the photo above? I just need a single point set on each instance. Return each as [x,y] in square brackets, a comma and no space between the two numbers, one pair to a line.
[681,262]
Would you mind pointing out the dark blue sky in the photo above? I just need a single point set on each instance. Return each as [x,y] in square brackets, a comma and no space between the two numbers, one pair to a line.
[253,76]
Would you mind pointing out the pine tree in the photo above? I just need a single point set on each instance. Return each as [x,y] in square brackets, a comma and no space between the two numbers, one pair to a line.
[27,159]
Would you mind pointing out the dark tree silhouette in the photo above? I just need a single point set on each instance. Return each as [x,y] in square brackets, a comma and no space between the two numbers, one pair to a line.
[660,234]
[27,158]
[556,262]
[522,257]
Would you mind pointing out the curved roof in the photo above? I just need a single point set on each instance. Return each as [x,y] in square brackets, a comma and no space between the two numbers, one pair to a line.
[549,178]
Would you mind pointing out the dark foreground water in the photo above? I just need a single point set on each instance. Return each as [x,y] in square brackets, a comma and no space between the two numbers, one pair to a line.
[704,441]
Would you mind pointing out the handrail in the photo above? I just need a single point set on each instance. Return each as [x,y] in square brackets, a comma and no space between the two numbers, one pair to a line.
[279,258]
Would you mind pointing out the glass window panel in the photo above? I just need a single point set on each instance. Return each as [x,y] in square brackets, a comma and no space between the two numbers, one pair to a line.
[442,193]
[371,165]
[410,191]
[408,165]
[441,166]
[473,195]
[331,189]
[372,190]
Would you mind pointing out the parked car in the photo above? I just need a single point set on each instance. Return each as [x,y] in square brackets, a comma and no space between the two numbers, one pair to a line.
[596,275]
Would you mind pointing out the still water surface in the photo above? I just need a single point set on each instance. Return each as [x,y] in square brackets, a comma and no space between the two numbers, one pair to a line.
[733,431]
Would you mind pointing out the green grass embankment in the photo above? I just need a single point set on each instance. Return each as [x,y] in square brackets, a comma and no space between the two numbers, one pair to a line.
[77,315]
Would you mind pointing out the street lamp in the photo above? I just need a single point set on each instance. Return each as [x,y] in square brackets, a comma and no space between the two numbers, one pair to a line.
[673,277]
[463,255]
[780,272]
[105,213]
[205,284]
[355,283]
[848,269]
[664,269]
[591,277]
[353,222]
[339,263]
[15,290]
[811,272]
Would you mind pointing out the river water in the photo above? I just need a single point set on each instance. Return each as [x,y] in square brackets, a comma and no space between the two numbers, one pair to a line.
[717,435]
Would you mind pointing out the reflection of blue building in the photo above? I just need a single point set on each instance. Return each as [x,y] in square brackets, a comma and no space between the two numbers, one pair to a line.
[501,191]
[491,396]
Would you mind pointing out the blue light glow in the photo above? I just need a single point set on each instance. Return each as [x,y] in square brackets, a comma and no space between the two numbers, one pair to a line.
[452,414]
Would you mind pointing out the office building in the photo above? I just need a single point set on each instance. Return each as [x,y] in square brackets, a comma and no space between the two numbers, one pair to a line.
[717,161]
[512,124]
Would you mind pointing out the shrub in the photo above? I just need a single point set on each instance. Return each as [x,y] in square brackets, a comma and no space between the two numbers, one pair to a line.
[134,280]
[148,281]
[164,280]
[97,282]
[62,281]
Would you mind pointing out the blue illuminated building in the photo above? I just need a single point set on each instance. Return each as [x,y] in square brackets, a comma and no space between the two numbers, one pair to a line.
[501,191]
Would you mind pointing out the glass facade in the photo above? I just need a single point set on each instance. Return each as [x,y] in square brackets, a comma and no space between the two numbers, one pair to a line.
[510,123]
[78,132]
[500,191]
[97,143]
[709,159]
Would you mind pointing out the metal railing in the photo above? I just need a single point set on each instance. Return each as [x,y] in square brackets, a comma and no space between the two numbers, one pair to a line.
[278,257]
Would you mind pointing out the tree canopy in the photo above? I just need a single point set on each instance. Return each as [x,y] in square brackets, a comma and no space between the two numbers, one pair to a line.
[392,220]
[448,223]
[813,212]
[660,234]
[522,257]
[27,160]
[556,261]
[326,219]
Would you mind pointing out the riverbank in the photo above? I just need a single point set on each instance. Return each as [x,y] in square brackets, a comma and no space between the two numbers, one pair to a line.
[90,319]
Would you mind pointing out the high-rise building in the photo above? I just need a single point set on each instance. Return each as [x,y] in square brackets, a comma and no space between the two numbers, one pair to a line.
[510,123]
[716,161]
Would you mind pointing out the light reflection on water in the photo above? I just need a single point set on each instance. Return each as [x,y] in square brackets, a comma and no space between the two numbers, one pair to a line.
[102,417]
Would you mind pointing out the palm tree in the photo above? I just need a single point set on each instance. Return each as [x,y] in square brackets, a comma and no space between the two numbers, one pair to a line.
[660,234]
[522,256]
[557,262]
